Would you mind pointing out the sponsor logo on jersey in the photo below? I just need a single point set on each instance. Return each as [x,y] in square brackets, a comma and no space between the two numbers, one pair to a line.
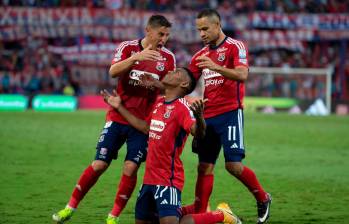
[135,74]
[156,125]
[221,56]
[153,135]
[242,54]
[160,66]
[222,49]
[210,74]
[213,82]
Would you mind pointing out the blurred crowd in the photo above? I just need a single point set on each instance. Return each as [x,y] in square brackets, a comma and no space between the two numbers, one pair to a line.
[233,6]
[28,67]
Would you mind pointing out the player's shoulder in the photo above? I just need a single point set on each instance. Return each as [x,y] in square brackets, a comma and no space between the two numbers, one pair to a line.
[168,53]
[234,43]
[183,103]
[201,51]
[128,43]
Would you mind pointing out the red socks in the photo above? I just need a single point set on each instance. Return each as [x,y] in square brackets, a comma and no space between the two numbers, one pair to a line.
[249,179]
[88,178]
[208,217]
[203,190]
[126,186]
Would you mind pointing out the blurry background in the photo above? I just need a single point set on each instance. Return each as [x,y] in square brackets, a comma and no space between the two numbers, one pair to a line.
[65,47]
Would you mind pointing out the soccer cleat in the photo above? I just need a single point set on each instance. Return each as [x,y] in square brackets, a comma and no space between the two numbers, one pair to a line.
[63,215]
[263,209]
[229,216]
[112,219]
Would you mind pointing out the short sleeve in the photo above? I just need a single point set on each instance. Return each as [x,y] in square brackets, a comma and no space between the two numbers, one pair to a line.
[186,117]
[240,54]
[194,68]
[122,52]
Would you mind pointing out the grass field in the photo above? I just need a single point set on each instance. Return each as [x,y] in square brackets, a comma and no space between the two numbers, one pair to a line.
[302,161]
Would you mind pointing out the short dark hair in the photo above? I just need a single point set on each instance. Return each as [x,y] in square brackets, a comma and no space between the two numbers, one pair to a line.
[208,13]
[192,80]
[158,21]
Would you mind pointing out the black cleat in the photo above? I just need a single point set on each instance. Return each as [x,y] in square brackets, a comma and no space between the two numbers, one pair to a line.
[263,209]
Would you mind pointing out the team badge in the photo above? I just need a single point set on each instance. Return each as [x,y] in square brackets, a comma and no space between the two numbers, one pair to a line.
[169,109]
[160,66]
[221,56]
[242,54]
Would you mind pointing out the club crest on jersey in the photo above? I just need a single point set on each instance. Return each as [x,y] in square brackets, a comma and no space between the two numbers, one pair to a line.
[160,66]
[169,109]
[221,56]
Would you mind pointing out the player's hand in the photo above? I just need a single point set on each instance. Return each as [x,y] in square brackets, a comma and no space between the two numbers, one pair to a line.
[148,80]
[198,107]
[147,54]
[113,100]
[206,62]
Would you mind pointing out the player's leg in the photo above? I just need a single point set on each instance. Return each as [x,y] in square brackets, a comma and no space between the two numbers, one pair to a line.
[234,152]
[168,202]
[136,154]
[145,209]
[109,142]
[223,214]
[208,150]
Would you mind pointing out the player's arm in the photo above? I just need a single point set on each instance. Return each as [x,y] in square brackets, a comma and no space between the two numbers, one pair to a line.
[238,73]
[115,102]
[148,80]
[198,129]
[125,65]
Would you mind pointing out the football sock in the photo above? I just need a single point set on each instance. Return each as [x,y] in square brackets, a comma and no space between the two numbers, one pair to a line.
[88,178]
[208,217]
[203,190]
[126,186]
[249,179]
[189,209]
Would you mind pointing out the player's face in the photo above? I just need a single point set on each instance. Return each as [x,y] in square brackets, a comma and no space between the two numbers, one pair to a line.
[173,78]
[209,30]
[158,36]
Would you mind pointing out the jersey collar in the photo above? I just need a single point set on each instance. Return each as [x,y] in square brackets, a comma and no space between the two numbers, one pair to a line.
[169,102]
[140,44]
[219,45]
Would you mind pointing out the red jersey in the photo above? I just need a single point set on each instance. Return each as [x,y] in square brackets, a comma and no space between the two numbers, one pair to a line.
[137,98]
[170,125]
[223,94]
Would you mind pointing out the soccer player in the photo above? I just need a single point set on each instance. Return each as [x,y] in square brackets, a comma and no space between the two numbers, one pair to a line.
[131,61]
[168,127]
[223,63]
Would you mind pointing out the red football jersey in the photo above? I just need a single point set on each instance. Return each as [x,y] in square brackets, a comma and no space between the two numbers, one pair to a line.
[137,98]
[170,125]
[223,94]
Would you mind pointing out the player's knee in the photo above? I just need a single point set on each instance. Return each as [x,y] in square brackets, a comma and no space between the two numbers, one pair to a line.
[205,168]
[99,166]
[234,168]
[187,219]
[130,168]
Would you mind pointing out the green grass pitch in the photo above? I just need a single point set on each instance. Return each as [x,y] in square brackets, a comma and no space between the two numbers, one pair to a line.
[302,161]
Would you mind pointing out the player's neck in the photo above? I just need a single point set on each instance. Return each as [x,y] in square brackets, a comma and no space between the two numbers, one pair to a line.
[145,43]
[171,94]
[220,39]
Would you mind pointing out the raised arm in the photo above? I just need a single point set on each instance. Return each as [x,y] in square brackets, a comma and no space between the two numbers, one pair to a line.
[115,101]
[198,129]
[123,66]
